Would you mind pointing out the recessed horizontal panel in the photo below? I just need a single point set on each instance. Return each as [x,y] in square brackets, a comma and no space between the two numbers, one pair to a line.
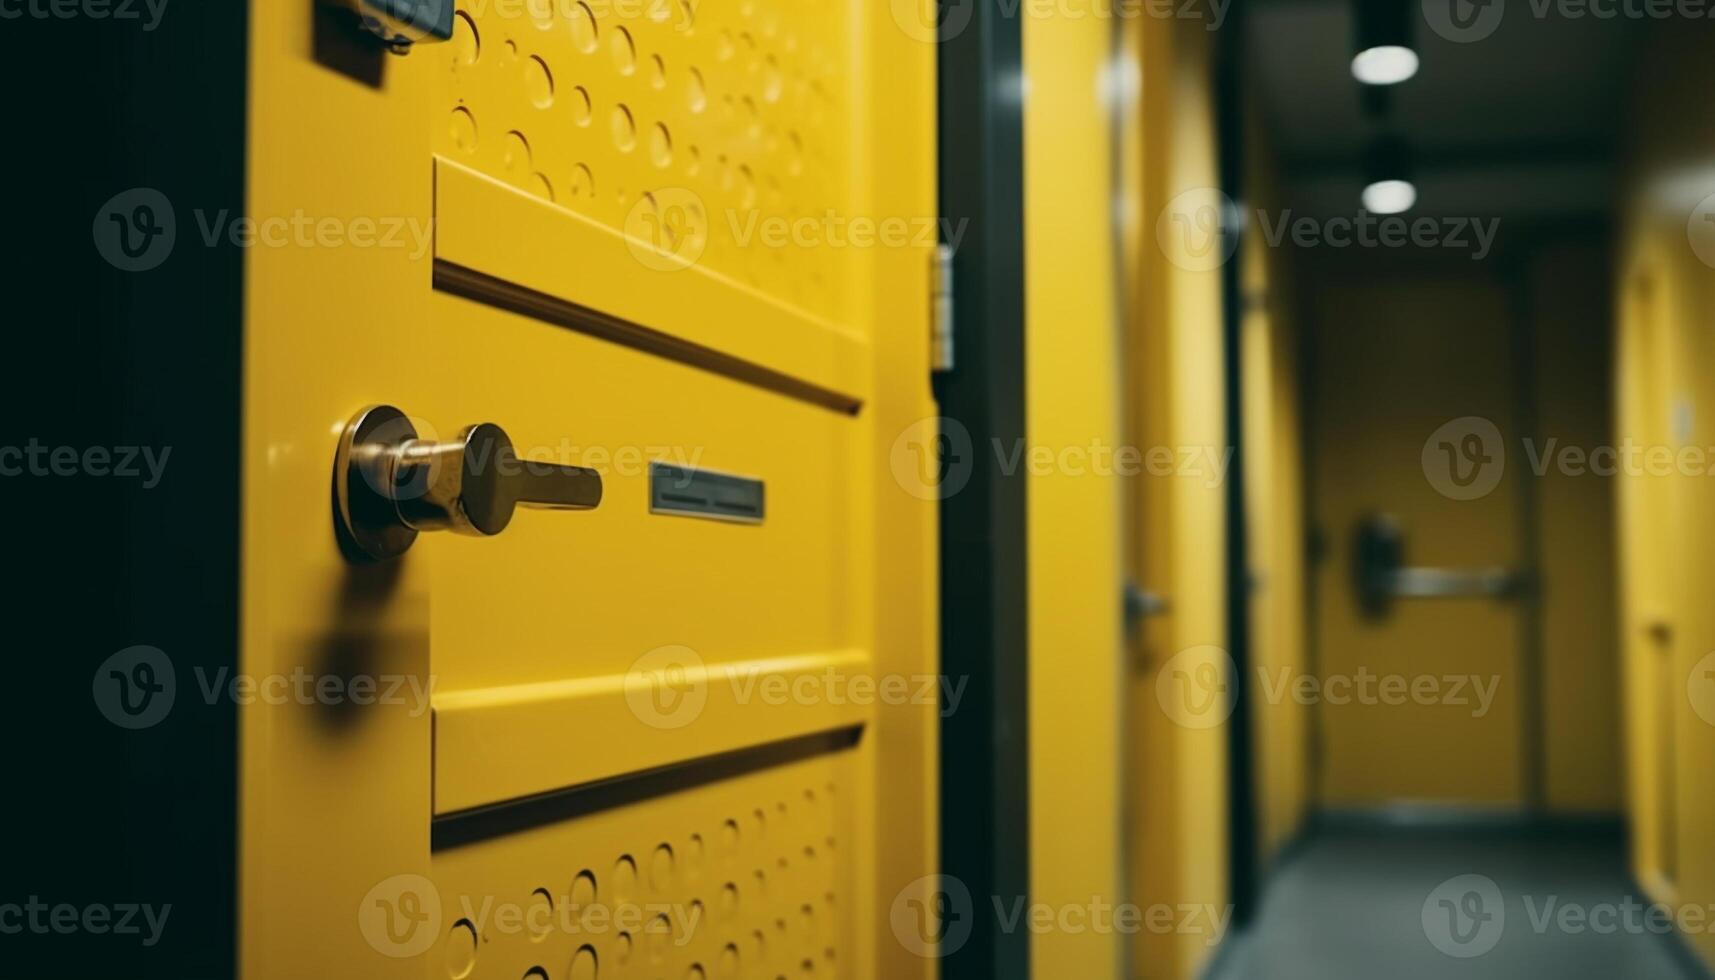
[563,267]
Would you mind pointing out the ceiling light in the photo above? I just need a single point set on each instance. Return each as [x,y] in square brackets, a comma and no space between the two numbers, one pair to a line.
[1383,49]
[1390,196]
[1388,188]
[1388,64]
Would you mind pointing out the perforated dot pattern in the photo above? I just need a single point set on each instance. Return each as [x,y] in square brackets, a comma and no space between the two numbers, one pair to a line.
[744,877]
[707,119]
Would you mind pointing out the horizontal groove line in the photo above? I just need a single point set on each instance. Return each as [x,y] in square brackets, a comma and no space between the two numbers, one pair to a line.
[514,816]
[459,280]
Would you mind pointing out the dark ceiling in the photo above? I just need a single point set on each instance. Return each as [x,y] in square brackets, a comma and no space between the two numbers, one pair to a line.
[1522,123]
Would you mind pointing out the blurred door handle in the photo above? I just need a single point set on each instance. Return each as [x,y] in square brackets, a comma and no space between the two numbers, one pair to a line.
[1141,604]
[1455,583]
[1382,576]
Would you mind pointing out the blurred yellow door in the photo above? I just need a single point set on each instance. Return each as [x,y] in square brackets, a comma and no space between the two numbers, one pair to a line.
[1413,415]
[635,738]
[1176,794]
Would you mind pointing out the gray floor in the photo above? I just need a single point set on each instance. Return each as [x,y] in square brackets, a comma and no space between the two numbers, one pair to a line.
[1395,906]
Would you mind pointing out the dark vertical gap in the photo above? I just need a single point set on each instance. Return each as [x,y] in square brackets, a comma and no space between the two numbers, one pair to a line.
[1241,755]
[104,359]
[985,785]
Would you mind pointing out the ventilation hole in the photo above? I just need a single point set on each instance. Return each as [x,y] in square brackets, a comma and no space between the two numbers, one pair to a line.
[624,129]
[624,880]
[538,82]
[729,901]
[581,187]
[584,891]
[660,933]
[661,865]
[516,156]
[467,41]
[461,950]
[660,146]
[463,129]
[585,964]
[624,51]
[585,35]
[698,93]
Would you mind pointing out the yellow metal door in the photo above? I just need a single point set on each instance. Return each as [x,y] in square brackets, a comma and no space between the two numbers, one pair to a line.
[1176,800]
[1413,416]
[624,741]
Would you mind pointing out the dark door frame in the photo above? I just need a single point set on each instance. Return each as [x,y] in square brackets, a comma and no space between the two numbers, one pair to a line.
[1244,873]
[985,781]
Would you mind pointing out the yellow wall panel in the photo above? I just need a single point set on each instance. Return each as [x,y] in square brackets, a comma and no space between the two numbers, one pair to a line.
[1074,511]
[1665,292]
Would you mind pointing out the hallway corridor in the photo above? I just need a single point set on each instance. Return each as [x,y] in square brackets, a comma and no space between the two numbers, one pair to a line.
[1353,905]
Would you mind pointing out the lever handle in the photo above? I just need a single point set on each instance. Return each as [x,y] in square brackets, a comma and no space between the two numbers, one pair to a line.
[391,484]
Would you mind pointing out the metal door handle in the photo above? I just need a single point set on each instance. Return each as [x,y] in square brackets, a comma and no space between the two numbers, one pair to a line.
[1382,575]
[390,484]
[1453,583]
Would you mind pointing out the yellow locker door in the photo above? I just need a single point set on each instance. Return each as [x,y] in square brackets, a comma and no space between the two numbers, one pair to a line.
[660,250]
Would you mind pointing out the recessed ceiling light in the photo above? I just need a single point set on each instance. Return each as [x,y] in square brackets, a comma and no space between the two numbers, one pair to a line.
[1383,52]
[1387,64]
[1390,196]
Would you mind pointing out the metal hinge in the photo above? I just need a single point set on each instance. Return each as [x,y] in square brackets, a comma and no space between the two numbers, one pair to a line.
[941,310]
